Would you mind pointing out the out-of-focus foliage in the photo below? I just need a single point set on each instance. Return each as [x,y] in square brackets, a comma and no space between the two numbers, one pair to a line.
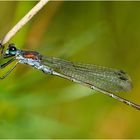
[35,105]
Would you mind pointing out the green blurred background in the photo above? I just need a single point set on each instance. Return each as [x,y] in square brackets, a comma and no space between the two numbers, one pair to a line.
[35,105]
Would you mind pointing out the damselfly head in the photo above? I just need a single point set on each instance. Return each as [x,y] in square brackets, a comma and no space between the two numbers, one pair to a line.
[12,50]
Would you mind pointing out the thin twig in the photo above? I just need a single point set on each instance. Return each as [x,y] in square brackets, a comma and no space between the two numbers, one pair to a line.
[23,21]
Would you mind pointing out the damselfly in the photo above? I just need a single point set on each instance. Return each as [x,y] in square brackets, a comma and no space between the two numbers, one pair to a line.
[102,79]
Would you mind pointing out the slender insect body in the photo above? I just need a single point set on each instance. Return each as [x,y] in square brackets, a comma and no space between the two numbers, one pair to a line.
[102,79]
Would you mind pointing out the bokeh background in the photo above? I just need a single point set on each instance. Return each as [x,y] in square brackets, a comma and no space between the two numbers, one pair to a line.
[35,105]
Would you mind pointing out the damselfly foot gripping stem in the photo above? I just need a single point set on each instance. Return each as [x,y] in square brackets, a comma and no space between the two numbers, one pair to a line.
[102,79]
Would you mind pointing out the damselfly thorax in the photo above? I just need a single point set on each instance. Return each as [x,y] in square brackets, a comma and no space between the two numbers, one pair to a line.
[103,79]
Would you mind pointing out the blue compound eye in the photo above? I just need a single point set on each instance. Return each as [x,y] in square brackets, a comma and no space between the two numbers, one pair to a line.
[12,49]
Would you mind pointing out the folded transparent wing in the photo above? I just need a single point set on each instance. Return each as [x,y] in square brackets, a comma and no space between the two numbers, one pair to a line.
[108,79]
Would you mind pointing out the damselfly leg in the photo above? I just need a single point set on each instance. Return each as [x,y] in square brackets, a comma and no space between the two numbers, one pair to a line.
[8,72]
[2,50]
[5,56]
[7,63]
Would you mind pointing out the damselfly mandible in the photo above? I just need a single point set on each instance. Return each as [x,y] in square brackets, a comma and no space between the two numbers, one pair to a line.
[102,79]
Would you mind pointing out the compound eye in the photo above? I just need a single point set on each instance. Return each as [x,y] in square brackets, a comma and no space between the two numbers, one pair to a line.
[12,49]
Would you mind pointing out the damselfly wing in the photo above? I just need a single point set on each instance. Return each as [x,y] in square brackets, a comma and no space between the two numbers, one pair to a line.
[108,79]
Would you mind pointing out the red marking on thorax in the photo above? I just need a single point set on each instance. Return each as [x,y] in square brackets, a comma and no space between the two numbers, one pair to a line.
[31,55]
